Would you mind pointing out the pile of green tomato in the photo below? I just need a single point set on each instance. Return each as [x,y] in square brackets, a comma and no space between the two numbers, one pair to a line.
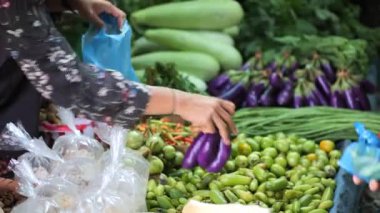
[282,172]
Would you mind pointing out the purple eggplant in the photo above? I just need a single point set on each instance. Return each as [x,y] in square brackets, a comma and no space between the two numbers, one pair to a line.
[312,100]
[336,99]
[266,98]
[259,88]
[298,101]
[224,153]
[349,97]
[367,86]
[328,71]
[190,160]
[218,84]
[272,66]
[361,98]
[276,80]
[208,150]
[252,98]
[284,98]
[323,84]
[236,94]
[320,97]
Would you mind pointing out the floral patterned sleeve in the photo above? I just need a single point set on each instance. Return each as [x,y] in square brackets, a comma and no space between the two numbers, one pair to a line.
[56,72]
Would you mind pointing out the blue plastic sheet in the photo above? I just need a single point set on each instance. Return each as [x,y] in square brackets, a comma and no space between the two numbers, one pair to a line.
[109,47]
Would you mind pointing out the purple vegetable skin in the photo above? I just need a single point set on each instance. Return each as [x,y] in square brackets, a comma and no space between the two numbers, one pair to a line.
[259,89]
[190,160]
[224,153]
[361,98]
[328,71]
[267,98]
[208,150]
[251,99]
[321,99]
[272,66]
[323,84]
[336,100]
[298,101]
[368,87]
[276,80]
[216,85]
[312,100]
[236,94]
[284,98]
[350,99]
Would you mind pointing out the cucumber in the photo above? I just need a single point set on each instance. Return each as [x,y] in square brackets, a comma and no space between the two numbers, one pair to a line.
[198,83]
[196,15]
[200,65]
[143,45]
[226,55]
[232,31]
[216,36]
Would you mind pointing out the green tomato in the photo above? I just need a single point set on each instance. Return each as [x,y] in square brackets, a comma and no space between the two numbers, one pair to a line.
[282,145]
[305,162]
[241,161]
[156,166]
[178,158]
[270,151]
[281,160]
[135,139]
[267,160]
[278,170]
[253,159]
[258,138]
[155,143]
[308,147]
[255,145]
[169,152]
[336,154]
[280,135]
[293,158]
[244,148]
[230,166]
[266,142]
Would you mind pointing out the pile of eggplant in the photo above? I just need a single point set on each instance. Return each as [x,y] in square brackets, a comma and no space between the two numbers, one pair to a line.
[287,82]
[208,151]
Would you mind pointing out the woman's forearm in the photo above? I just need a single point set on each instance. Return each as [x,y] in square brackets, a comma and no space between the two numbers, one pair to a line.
[164,101]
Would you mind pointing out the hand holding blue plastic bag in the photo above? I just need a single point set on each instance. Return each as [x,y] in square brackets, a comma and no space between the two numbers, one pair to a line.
[109,47]
[362,159]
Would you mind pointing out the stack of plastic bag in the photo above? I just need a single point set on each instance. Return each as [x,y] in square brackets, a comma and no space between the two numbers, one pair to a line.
[78,175]
[363,157]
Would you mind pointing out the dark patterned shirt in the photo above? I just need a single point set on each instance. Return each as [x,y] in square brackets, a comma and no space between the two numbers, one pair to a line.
[29,37]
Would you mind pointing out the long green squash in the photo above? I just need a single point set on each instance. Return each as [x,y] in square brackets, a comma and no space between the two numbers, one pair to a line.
[196,15]
[219,37]
[143,45]
[200,65]
[227,56]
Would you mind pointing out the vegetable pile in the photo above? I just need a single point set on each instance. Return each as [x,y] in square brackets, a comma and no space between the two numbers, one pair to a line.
[326,77]
[283,172]
[315,123]
[189,34]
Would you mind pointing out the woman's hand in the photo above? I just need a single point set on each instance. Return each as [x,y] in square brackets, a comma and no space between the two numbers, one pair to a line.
[373,184]
[208,114]
[90,9]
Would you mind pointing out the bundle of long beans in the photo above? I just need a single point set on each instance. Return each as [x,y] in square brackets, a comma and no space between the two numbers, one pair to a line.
[315,123]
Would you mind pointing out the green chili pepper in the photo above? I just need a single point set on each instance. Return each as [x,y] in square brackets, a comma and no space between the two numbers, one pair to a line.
[261,196]
[306,209]
[306,200]
[262,187]
[314,204]
[214,185]
[217,197]
[302,187]
[296,206]
[232,180]
[277,207]
[231,197]
[164,202]
[183,200]
[277,185]
[181,186]
[312,191]
[254,185]
[260,173]
[292,194]
[241,187]
[278,170]
[202,193]
[191,187]
[327,194]
[197,197]
[327,204]
[247,196]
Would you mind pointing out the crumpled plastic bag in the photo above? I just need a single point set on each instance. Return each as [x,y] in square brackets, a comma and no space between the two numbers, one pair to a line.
[362,158]
[99,184]
[109,47]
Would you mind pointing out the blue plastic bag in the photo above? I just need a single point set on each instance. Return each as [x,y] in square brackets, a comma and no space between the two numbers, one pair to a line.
[109,47]
[363,157]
